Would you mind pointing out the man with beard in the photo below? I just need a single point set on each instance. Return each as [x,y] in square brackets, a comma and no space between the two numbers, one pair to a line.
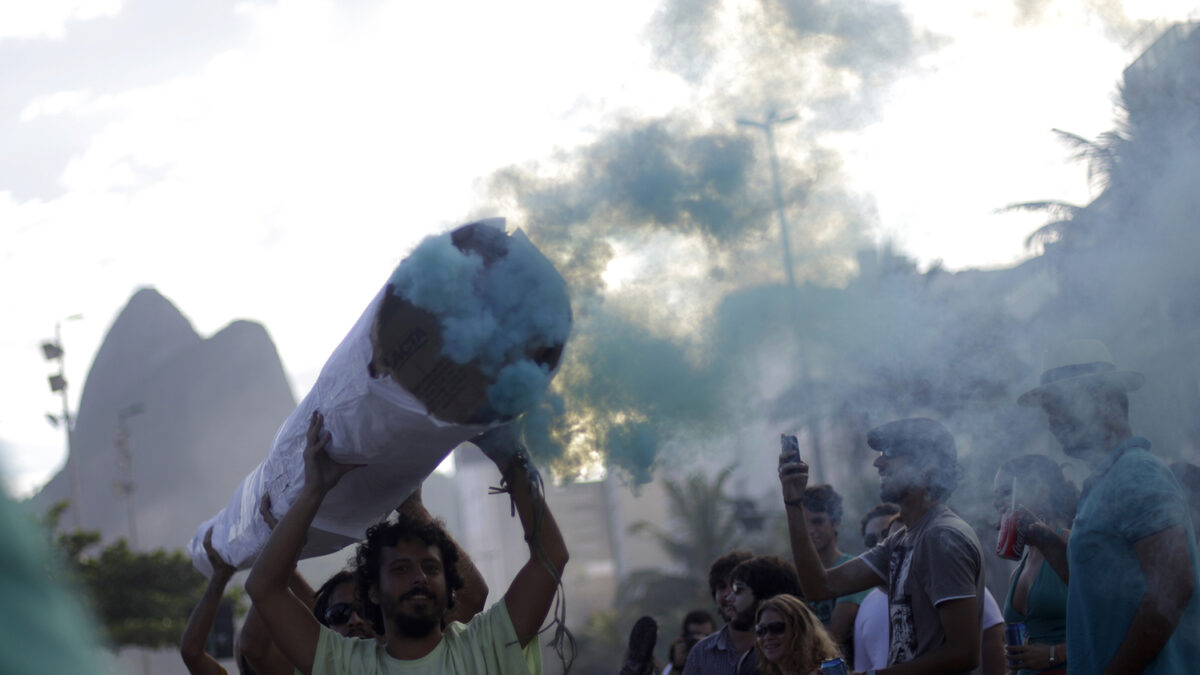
[718,653]
[755,580]
[409,569]
[931,564]
[337,606]
[1132,605]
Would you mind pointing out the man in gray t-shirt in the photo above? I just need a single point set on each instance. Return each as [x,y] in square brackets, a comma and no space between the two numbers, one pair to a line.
[931,567]
[935,561]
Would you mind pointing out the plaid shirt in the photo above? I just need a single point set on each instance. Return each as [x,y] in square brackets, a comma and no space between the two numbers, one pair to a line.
[715,655]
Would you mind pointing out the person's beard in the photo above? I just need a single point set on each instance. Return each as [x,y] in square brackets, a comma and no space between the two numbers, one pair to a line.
[744,621]
[416,625]
[896,485]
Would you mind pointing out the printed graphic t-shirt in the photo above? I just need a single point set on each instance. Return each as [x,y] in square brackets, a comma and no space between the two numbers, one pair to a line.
[936,561]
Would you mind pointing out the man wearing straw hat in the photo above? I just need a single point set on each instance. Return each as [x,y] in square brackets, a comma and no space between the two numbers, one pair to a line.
[1132,601]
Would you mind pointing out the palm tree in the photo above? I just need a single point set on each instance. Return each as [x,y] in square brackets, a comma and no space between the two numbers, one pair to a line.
[705,523]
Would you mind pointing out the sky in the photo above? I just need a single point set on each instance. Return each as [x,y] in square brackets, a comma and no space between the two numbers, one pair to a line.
[274,161]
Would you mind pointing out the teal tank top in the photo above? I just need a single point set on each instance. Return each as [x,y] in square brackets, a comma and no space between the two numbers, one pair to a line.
[1046,608]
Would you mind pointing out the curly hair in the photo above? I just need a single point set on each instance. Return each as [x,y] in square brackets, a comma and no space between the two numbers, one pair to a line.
[367,558]
[767,575]
[1064,496]
[719,571]
[807,642]
[823,499]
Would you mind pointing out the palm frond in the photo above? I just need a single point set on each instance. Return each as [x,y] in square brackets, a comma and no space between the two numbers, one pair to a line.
[1099,155]
[1055,207]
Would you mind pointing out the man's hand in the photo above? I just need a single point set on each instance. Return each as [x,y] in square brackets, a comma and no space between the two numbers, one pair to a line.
[500,444]
[793,478]
[321,473]
[264,510]
[1034,656]
[220,568]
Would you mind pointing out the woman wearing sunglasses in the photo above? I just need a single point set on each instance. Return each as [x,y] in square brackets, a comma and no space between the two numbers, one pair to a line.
[338,607]
[789,640]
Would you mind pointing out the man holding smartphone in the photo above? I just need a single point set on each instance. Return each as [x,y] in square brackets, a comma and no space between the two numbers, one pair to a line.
[931,565]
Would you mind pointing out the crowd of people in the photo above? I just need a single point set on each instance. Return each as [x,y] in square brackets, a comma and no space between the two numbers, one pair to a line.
[1106,578]
[1105,581]
[412,601]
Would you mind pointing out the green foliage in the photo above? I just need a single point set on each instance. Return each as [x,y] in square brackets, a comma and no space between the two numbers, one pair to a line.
[704,526]
[704,523]
[138,598]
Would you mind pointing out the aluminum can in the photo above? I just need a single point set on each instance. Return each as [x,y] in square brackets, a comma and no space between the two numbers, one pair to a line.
[834,667]
[1010,543]
[1015,634]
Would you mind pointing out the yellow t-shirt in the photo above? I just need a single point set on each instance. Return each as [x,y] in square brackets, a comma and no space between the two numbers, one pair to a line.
[486,644]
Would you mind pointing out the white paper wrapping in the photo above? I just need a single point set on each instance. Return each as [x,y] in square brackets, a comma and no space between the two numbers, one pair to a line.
[373,421]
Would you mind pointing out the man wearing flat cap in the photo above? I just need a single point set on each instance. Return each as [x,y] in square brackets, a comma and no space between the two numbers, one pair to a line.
[932,567]
[1132,600]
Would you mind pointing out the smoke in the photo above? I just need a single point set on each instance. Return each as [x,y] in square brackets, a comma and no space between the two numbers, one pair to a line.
[689,345]
[663,359]
[1118,25]
[494,315]
[830,61]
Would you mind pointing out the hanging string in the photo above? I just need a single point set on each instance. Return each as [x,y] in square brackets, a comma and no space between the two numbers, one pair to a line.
[563,642]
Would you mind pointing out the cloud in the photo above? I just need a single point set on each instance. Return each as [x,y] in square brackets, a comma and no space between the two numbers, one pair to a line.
[83,53]
[1113,16]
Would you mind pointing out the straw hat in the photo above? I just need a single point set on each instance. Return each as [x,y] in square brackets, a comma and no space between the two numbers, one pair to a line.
[1079,363]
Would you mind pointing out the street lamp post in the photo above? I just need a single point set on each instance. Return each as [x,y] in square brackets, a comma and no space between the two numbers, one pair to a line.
[124,485]
[768,126]
[53,351]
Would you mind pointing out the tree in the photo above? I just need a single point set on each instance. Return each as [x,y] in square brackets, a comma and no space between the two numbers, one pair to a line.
[705,523]
[139,598]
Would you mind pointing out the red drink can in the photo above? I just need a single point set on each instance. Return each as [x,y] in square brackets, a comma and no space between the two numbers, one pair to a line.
[1010,543]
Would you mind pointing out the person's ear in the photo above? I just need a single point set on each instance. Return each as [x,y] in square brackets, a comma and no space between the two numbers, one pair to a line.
[373,594]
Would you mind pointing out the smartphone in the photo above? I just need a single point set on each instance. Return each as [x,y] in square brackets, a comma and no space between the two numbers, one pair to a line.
[790,448]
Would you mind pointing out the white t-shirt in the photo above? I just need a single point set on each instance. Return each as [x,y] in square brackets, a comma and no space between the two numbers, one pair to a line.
[871,628]
[871,632]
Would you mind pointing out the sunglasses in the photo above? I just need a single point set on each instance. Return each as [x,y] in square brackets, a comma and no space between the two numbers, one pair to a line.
[895,451]
[775,628]
[338,614]
[870,540]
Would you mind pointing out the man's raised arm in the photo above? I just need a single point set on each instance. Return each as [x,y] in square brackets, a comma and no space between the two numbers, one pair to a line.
[293,628]
[817,582]
[253,642]
[531,593]
[191,647]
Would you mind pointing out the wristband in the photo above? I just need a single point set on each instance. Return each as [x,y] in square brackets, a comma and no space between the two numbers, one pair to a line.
[794,502]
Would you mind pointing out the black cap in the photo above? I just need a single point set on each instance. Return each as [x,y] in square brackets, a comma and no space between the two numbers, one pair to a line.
[914,436]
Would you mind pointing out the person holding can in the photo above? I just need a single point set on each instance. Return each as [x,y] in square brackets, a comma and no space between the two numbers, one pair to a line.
[1035,503]
[788,638]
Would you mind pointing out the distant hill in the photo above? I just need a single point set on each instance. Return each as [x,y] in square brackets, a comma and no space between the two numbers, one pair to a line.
[210,408]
